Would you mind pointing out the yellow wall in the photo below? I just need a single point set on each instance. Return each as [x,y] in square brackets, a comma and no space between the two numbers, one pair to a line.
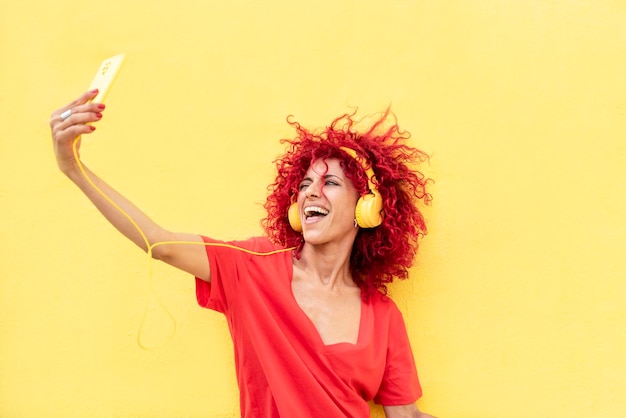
[516,305]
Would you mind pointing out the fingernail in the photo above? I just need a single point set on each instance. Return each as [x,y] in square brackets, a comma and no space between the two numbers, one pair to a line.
[101,106]
[94,91]
[92,128]
[98,115]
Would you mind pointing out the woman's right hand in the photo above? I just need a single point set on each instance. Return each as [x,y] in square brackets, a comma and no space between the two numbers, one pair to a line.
[67,128]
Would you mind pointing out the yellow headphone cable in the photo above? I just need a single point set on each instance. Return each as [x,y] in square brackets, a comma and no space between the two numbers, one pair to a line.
[150,247]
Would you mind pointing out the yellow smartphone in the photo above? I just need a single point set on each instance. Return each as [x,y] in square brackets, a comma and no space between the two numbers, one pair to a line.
[105,76]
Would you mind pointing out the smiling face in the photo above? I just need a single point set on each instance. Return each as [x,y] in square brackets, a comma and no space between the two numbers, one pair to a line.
[326,202]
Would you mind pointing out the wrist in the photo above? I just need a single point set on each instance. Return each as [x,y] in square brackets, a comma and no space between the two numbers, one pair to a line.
[70,169]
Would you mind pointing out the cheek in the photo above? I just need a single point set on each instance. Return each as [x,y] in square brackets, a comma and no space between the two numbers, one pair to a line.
[348,208]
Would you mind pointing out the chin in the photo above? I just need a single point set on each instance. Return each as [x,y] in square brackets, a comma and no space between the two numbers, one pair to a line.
[318,237]
[313,238]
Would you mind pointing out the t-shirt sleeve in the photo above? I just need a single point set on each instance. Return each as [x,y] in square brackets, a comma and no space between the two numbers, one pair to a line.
[400,384]
[226,263]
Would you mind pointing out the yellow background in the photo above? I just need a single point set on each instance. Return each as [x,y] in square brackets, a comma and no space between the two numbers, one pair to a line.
[516,306]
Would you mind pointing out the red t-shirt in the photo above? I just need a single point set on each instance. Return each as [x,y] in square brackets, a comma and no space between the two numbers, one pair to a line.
[283,367]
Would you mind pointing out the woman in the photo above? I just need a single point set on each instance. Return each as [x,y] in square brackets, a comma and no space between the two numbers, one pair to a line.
[314,333]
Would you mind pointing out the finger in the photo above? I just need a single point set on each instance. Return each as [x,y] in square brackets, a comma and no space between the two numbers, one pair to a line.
[74,131]
[82,99]
[96,108]
[89,107]
[77,117]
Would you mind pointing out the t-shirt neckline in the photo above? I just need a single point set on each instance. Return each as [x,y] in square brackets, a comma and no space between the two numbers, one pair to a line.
[314,333]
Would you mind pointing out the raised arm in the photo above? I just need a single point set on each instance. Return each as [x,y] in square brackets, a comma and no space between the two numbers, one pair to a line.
[82,114]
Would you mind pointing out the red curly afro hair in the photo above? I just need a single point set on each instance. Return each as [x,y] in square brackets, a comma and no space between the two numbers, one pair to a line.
[379,254]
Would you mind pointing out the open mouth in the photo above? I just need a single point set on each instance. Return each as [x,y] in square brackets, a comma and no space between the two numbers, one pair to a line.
[314,211]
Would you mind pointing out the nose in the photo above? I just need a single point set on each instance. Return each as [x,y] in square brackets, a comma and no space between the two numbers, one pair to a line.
[313,190]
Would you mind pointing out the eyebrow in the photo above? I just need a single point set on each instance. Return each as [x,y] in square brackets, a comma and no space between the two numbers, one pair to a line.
[327,176]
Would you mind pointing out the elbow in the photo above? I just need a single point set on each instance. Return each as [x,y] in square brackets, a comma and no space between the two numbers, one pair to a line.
[160,252]
[159,248]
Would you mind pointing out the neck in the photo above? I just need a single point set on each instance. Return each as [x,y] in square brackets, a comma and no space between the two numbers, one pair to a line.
[327,264]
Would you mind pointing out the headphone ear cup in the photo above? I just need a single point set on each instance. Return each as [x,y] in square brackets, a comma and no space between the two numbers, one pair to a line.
[294,218]
[368,211]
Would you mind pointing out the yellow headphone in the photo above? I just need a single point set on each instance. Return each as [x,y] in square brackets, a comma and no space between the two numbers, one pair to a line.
[368,213]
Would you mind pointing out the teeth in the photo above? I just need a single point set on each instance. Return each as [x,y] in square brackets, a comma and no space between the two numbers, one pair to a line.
[315,210]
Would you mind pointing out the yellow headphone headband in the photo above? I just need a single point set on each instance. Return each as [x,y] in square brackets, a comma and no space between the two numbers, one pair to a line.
[367,168]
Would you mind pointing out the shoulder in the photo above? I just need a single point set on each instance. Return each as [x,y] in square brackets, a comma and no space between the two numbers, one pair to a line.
[383,303]
[385,310]
[264,244]
[249,245]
